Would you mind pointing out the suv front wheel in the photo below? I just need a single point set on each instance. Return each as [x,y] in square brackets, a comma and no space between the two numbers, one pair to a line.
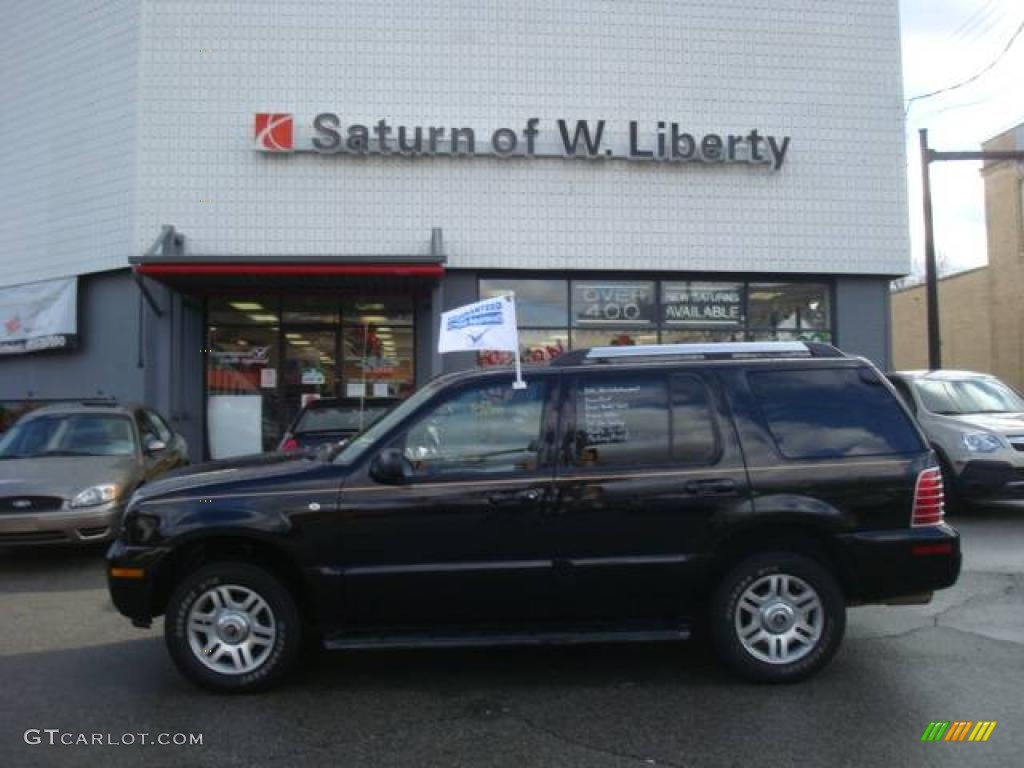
[777,618]
[232,627]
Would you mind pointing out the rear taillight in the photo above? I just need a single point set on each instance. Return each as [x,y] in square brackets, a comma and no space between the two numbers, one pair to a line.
[289,444]
[929,504]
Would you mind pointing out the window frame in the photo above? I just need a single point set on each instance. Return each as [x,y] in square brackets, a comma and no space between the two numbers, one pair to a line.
[660,328]
[549,397]
[765,423]
[566,460]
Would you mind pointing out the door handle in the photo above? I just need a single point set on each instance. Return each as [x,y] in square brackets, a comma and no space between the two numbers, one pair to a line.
[711,487]
[507,498]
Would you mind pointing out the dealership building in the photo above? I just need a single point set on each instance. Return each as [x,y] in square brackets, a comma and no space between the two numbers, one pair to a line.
[223,209]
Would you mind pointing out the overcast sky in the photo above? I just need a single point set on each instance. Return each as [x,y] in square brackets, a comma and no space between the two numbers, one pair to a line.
[945,42]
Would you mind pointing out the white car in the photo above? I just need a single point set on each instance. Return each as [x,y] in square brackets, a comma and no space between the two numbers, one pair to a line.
[975,423]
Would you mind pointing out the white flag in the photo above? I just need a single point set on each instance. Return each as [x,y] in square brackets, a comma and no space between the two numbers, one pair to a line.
[488,324]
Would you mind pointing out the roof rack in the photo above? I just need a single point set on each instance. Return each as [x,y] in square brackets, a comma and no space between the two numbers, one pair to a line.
[735,350]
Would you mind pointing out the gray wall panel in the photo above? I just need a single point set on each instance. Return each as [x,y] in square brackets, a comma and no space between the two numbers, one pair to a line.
[105,362]
[862,318]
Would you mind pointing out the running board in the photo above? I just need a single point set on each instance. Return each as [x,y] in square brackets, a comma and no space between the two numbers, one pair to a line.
[479,640]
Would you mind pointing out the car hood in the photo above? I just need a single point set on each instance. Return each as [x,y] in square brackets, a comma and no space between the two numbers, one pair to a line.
[65,476]
[229,472]
[1000,423]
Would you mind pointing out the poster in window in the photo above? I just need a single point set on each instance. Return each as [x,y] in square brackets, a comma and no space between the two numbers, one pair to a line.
[613,302]
[693,303]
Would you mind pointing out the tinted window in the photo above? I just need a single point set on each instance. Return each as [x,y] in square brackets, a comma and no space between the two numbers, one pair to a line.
[621,421]
[832,413]
[343,418]
[483,429]
[694,439]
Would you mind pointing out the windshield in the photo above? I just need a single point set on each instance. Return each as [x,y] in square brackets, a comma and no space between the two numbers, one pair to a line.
[362,442]
[82,434]
[962,396]
[341,418]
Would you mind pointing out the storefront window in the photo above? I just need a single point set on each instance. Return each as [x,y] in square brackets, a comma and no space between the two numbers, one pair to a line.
[378,361]
[268,355]
[243,310]
[377,311]
[628,312]
[539,303]
[701,336]
[612,337]
[311,309]
[535,346]
[789,306]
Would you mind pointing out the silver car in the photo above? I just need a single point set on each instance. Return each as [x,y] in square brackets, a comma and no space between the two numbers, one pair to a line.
[67,471]
[975,423]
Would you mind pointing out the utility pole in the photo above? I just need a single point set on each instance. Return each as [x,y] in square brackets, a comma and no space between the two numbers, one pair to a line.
[931,277]
[929,156]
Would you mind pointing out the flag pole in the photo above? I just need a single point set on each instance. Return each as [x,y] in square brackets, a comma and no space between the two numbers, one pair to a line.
[518,383]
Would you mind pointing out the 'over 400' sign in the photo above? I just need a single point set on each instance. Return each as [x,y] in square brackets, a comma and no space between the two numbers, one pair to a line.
[613,302]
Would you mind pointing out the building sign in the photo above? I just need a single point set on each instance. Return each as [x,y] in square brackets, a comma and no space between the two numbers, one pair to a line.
[613,302]
[39,316]
[669,142]
[702,303]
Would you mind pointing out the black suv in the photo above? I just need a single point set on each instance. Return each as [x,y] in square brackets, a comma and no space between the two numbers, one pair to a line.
[625,493]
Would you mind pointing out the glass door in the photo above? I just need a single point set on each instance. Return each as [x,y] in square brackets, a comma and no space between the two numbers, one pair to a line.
[309,368]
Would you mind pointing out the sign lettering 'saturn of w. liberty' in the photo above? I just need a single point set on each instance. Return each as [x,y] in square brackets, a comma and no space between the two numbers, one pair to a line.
[658,141]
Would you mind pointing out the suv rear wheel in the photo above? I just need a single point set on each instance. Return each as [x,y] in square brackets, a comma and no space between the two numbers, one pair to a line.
[232,627]
[777,618]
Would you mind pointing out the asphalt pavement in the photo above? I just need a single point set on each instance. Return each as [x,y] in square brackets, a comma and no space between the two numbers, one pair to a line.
[71,669]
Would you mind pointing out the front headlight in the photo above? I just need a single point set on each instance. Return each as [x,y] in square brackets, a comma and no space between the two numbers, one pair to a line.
[98,494]
[982,442]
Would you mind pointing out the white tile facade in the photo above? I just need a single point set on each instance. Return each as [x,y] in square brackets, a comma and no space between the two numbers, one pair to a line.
[68,79]
[826,73]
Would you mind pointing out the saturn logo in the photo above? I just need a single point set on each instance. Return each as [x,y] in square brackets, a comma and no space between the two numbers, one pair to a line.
[21,503]
[274,131]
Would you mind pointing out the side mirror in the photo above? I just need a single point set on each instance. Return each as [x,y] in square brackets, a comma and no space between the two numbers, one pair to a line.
[391,467]
[153,445]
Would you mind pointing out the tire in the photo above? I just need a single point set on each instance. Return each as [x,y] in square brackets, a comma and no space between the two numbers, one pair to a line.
[811,631]
[240,607]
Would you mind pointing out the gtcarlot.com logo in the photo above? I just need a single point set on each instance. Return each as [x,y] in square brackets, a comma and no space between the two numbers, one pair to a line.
[958,730]
[57,737]
[275,131]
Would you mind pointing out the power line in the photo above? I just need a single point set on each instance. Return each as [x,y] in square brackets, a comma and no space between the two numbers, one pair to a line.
[968,81]
[980,17]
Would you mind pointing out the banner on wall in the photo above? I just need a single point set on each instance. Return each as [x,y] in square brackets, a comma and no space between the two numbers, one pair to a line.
[37,317]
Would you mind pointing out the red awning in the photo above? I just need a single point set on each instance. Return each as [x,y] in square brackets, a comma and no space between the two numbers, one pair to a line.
[291,270]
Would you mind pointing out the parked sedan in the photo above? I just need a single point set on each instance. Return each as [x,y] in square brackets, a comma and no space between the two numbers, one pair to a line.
[975,423]
[331,420]
[67,471]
